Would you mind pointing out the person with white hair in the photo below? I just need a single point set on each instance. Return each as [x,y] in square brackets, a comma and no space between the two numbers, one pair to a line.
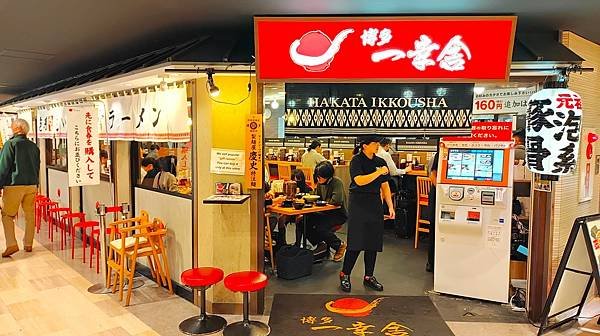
[19,179]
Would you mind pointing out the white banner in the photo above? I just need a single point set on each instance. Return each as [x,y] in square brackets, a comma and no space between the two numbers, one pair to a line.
[83,145]
[496,101]
[152,116]
[552,132]
[51,123]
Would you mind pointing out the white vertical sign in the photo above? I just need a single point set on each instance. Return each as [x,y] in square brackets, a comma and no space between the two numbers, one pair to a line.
[552,133]
[83,145]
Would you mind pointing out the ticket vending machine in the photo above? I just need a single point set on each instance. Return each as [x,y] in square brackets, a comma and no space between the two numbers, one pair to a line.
[473,223]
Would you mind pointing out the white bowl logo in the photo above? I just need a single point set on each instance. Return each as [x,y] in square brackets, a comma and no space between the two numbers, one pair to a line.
[314,51]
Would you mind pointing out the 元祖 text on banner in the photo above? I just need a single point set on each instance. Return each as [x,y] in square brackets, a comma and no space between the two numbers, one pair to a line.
[83,145]
[552,132]
[254,152]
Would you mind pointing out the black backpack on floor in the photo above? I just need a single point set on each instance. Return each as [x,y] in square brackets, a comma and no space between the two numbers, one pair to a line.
[294,262]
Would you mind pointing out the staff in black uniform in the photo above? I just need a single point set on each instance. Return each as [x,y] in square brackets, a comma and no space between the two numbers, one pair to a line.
[369,184]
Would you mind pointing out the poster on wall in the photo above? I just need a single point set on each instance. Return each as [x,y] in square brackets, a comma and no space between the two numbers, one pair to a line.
[502,101]
[83,145]
[552,131]
[149,116]
[254,152]
[385,109]
[227,161]
[586,169]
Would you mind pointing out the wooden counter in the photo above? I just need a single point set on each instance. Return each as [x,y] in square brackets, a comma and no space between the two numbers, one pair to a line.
[293,163]
[418,173]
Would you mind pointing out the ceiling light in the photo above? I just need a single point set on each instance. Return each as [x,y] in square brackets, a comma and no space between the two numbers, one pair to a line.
[210,82]
[478,89]
[274,104]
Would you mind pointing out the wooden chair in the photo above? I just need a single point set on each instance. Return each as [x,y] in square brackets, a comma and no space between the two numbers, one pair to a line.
[154,249]
[121,239]
[423,186]
[308,174]
[284,172]
[269,240]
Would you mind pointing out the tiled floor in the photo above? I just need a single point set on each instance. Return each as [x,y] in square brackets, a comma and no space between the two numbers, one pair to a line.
[45,292]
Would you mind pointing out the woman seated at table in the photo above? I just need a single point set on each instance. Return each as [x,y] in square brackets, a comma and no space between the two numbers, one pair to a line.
[280,238]
[320,225]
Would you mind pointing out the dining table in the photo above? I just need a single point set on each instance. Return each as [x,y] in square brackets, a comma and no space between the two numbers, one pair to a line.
[291,211]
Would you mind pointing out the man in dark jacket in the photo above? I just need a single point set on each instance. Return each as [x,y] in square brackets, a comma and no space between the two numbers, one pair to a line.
[19,178]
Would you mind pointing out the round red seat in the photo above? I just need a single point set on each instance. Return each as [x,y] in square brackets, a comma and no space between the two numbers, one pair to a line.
[201,276]
[246,281]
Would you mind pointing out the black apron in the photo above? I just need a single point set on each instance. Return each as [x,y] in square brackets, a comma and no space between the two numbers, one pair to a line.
[365,222]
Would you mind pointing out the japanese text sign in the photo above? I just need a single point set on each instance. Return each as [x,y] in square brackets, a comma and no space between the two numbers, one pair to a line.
[552,132]
[491,131]
[149,116]
[51,122]
[83,145]
[496,101]
[384,48]
[254,152]
[227,161]
[382,108]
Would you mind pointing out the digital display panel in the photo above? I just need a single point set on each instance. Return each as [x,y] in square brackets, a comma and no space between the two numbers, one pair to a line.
[475,164]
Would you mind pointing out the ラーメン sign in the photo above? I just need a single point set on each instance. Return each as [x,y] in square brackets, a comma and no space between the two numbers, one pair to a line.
[384,48]
[552,132]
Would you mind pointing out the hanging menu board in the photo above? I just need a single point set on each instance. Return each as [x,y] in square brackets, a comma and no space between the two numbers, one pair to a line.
[342,143]
[294,142]
[273,142]
[324,142]
[426,145]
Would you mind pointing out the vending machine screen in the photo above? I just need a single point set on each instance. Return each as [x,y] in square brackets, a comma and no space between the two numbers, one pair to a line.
[475,164]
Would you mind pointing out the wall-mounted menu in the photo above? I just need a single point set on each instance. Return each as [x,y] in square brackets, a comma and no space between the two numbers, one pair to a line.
[426,145]
[294,142]
[273,142]
[324,142]
[342,143]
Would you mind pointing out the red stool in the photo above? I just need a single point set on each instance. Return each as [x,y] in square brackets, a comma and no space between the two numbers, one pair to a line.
[202,278]
[39,200]
[246,282]
[56,222]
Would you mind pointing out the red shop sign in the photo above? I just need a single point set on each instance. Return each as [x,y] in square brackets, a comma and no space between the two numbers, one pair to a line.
[491,131]
[399,49]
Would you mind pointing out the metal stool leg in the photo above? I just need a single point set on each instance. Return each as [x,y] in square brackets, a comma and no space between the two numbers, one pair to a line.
[202,324]
[247,327]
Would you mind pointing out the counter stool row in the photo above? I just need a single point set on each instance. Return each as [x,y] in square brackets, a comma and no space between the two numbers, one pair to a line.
[64,220]
[245,282]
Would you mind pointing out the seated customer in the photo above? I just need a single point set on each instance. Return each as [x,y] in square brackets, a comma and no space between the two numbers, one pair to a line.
[165,180]
[151,168]
[320,225]
[300,179]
